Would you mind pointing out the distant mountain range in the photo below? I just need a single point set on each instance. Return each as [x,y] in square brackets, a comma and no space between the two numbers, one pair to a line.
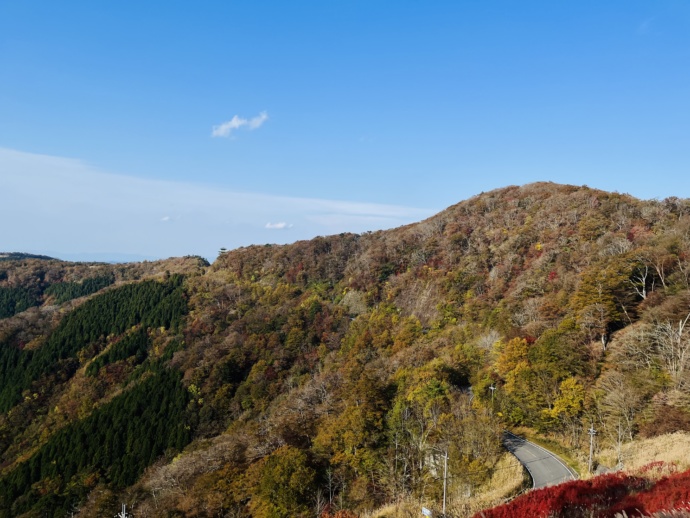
[105,257]
[18,256]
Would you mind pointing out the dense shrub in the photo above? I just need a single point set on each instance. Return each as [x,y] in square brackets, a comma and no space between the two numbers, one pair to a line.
[606,496]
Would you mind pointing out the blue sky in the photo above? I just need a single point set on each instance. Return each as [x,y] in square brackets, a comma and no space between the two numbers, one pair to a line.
[170,128]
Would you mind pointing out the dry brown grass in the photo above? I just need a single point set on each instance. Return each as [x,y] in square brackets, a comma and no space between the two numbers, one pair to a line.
[671,449]
[404,509]
[507,481]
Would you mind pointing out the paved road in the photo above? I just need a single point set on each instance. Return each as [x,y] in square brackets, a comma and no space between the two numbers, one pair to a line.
[545,468]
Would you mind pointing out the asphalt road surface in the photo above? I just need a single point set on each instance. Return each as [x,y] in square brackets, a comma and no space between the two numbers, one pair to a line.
[545,468]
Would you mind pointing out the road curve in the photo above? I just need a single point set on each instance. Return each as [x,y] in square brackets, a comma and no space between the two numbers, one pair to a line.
[545,468]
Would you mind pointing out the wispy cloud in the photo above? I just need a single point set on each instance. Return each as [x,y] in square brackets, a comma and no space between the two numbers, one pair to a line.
[278,226]
[257,121]
[71,213]
[226,128]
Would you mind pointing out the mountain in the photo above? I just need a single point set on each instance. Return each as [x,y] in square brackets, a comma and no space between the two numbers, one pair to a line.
[18,256]
[332,375]
[104,257]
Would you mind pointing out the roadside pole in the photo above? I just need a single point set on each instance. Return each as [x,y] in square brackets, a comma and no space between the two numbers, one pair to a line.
[445,480]
[592,432]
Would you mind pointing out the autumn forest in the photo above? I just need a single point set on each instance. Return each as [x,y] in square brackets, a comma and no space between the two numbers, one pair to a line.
[336,376]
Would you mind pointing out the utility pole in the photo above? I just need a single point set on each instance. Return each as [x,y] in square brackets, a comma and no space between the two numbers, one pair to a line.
[492,388]
[445,479]
[445,475]
[592,432]
[123,513]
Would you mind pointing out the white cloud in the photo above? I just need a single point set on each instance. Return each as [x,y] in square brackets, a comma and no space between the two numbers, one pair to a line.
[77,208]
[278,226]
[257,121]
[226,128]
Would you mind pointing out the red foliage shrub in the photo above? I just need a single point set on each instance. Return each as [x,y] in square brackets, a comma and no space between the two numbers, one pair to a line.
[578,498]
[602,497]
[658,468]
[668,493]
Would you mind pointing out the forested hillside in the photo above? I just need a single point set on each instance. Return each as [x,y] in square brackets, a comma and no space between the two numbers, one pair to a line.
[333,375]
